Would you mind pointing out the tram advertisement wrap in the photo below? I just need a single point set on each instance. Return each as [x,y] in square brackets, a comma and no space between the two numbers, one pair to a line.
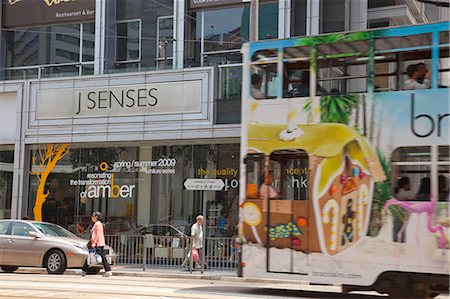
[377,192]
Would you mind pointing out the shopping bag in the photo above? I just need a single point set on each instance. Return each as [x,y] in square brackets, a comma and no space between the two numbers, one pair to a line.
[195,255]
[93,258]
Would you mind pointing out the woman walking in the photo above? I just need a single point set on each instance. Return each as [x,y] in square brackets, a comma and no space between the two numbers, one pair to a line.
[97,242]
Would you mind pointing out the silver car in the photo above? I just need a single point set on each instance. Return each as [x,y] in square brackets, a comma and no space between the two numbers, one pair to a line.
[40,244]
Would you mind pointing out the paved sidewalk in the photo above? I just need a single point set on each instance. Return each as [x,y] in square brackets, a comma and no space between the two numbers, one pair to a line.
[172,273]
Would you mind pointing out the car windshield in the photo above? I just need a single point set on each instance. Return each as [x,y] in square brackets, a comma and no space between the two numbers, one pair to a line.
[52,230]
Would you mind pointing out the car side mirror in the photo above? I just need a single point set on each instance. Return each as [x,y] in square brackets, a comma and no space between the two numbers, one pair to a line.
[33,234]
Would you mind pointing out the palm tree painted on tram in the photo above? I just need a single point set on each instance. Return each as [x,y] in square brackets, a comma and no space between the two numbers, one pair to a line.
[334,108]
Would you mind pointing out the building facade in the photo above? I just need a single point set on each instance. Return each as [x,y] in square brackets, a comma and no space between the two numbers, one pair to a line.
[112,105]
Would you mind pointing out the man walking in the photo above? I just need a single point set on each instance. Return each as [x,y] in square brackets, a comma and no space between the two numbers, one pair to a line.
[197,241]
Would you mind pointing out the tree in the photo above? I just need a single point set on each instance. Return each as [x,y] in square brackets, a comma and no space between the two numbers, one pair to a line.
[48,158]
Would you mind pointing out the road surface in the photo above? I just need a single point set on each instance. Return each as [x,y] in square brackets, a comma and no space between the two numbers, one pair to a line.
[23,285]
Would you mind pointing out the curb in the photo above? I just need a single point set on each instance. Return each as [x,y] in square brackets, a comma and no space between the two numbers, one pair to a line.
[212,277]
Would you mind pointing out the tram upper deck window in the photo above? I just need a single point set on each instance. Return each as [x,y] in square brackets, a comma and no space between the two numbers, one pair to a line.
[403,62]
[264,74]
[444,59]
[342,67]
[296,72]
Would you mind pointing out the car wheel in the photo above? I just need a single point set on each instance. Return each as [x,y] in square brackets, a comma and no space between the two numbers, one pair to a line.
[56,262]
[93,271]
[9,269]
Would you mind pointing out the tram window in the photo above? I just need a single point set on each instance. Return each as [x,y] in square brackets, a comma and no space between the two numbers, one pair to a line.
[444,67]
[296,69]
[411,182]
[296,79]
[264,81]
[399,42]
[391,69]
[295,178]
[255,171]
[444,153]
[386,72]
[444,37]
[290,174]
[271,184]
[264,56]
[443,182]
[342,75]
[412,154]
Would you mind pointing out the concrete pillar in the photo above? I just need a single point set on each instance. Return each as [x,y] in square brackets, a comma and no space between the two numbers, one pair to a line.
[313,17]
[179,22]
[144,188]
[284,19]
[358,14]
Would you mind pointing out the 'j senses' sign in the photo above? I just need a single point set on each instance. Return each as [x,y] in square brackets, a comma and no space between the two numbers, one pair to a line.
[156,98]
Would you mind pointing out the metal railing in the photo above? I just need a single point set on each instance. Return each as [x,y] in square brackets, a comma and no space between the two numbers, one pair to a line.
[168,252]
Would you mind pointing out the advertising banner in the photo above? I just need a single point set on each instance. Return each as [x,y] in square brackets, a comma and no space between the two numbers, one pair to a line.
[23,13]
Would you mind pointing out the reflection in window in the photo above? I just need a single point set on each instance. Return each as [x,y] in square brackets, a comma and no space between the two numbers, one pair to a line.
[158,196]
[128,41]
[165,43]
[298,17]
[230,82]
[223,29]
[45,45]
[21,229]
[295,172]
[38,46]
[148,13]
[268,20]
[332,15]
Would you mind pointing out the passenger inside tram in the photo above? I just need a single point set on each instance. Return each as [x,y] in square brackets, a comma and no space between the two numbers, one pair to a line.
[268,188]
[256,87]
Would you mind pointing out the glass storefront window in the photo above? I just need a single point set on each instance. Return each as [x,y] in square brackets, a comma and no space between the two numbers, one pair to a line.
[28,49]
[88,41]
[332,16]
[128,40]
[48,45]
[298,17]
[144,47]
[133,185]
[6,179]
[225,29]
[268,20]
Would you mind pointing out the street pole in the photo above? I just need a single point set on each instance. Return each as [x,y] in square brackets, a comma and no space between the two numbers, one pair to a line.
[204,201]
[254,20]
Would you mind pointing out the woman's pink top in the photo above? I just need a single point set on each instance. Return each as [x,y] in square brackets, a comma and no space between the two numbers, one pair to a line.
[272,192]
[97,236]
